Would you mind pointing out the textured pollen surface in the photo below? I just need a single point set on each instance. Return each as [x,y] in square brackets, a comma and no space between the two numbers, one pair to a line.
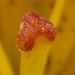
[32,25]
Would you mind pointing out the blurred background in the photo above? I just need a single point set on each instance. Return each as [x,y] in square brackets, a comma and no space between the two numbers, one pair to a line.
[61,60]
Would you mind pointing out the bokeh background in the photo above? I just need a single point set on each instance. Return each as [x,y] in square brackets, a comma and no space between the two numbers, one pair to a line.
[61,60]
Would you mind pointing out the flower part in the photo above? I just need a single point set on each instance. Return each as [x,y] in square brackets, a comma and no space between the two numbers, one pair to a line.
[32,25]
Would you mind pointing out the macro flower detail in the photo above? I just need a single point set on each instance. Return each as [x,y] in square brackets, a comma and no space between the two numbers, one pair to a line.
[32,26]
